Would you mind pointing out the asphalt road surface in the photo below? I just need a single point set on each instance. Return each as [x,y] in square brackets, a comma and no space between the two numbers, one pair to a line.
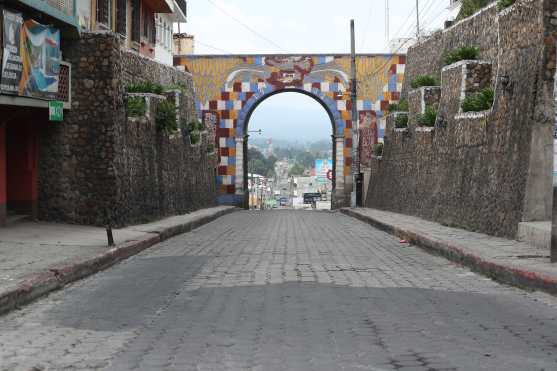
[284,290]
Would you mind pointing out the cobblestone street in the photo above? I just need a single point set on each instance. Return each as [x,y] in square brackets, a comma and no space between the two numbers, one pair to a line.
[284,290]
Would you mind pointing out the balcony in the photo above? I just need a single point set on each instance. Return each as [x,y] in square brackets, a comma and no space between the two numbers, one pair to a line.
[63,10]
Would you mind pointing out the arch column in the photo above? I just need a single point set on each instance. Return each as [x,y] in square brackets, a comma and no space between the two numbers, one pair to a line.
[339,191]
[240,144]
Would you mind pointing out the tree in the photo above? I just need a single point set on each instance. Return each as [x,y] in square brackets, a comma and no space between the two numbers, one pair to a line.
[297,170]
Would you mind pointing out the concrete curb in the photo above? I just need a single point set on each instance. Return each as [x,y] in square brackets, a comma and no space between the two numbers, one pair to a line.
[56,278]
[502,273]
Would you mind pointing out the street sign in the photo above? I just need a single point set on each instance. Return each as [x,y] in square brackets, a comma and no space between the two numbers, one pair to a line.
[55,110]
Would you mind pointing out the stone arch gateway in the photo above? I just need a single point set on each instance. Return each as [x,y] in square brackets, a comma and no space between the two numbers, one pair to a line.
[229,88]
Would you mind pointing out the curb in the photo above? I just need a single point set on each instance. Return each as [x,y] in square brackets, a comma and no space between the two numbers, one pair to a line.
[502,273]
[56,278]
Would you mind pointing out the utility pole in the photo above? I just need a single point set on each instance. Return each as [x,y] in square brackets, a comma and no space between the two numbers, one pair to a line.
[355,133]
[417,20]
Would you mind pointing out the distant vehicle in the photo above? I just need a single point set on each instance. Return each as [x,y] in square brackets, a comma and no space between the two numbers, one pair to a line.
[283,201]
[310,198]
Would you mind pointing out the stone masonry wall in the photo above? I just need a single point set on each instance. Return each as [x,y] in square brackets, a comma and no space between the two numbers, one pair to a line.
[484,171]
[98,164]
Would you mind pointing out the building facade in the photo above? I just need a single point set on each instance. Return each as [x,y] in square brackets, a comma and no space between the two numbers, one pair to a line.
[35,82]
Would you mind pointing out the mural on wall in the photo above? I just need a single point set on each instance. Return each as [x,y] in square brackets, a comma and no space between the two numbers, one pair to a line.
[230,86]
[31,58]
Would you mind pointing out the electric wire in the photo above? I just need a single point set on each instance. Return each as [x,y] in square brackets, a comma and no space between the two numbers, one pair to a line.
[246,26]
[368,22]
[213,47]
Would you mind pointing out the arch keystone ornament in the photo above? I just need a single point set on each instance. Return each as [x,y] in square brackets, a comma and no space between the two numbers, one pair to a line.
[228,88]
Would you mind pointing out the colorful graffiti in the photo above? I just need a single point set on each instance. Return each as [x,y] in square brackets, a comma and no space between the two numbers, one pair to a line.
[229,87]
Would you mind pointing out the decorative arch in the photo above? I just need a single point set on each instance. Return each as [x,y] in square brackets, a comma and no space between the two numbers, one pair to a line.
[229,88]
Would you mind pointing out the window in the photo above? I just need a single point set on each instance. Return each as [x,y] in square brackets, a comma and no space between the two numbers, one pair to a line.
[121,17]
[104,11]
[136,20]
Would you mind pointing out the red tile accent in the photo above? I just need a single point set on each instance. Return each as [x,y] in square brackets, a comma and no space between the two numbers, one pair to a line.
[349,124]
[348,142]
[231,189]
[223,133]
[225,95]
[222,170]
[237,87]
[224,151]
[213,104]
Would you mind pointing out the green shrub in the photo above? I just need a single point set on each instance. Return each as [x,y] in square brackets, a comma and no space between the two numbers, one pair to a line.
[166,117]
[195,125]
[401,106]
[210,148]
[401,121]
[461,54]
[428,118]
[481,101]
[378,149]
[136,106]
[195,137]
[145,87]
[502,4]
[194,128]
[423,80]
[469,7]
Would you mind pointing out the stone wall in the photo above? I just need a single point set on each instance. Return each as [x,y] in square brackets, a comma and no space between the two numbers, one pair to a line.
[484,171]
[99,164]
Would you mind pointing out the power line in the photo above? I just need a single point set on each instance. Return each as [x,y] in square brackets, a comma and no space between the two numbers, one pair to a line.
[363,44]
[246,26]
[213,47]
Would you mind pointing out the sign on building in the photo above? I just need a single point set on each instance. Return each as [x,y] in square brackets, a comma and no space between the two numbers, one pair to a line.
[55,110]
[31,58]
[322,167]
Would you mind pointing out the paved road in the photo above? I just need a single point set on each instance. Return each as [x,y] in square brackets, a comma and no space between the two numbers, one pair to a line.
[284,290]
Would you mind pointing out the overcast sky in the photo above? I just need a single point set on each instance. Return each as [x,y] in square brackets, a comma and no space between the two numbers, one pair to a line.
[302,26]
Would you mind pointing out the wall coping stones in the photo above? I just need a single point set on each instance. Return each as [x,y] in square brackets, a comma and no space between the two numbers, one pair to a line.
[400,130]
[424,129]
[147,95]
[466,62]
[473,115]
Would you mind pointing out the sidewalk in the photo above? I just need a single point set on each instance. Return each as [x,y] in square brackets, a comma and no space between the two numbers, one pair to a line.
[508,261]
[38,257]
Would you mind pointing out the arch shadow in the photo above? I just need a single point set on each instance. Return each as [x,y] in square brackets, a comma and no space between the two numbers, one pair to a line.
[252,105]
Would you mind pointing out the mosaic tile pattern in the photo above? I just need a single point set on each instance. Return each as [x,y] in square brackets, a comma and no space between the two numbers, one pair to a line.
[229,87]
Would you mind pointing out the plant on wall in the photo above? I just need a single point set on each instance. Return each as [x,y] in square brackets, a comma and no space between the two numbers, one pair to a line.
[423,80]
[461,54]
[401,121]
[194,129]
[165,118]
[428,118]
[145,87]
[503,4]
[136,106]
[469,7]
[480,101]
[378,149]
[401,106]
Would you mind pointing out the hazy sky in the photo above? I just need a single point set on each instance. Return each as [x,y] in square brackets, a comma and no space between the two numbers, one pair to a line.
[302,26]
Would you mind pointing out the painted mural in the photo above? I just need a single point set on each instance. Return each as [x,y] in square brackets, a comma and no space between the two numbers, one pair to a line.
[228,87]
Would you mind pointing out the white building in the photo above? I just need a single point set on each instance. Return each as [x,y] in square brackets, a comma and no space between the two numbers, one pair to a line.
[164,31]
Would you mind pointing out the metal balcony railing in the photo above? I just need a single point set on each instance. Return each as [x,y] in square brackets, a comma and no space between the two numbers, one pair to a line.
[65,6]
